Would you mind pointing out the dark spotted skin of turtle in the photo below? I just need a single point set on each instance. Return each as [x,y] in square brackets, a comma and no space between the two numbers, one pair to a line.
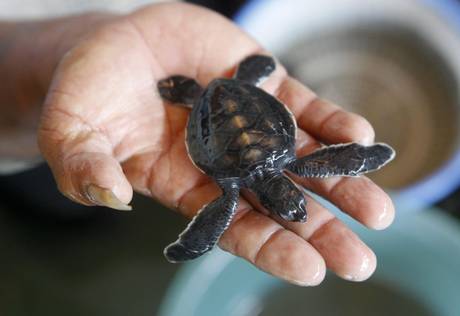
[236,129]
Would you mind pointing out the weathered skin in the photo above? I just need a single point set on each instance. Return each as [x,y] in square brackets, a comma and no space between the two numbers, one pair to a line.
[244,137]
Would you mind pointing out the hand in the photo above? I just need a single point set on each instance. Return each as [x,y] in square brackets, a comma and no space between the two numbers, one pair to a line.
[105,131]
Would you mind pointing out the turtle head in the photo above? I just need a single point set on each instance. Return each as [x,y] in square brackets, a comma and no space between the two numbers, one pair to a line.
[281,196]
[291,206]
[294,210]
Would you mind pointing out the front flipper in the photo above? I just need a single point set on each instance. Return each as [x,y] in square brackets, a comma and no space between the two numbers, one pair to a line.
[342,160]
[179,89]
[205,229]
[255,68]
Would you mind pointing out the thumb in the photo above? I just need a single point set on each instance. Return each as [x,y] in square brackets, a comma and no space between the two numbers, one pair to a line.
[82,163]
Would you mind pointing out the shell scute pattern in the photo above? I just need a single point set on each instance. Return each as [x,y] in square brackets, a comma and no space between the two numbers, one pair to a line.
[240,128]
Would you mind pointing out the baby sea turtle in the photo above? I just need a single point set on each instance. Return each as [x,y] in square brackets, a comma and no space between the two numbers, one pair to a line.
[244,137]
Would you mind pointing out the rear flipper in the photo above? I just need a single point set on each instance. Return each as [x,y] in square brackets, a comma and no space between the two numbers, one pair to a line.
[179,89]
[342,160]
[255,69]
[205,229]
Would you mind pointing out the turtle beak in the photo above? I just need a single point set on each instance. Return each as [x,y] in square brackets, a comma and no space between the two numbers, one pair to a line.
[295,211]
[301,217]
[300,214]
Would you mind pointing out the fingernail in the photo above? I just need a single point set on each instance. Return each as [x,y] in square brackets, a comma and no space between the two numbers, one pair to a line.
[367,140]
[349,277]
[302,283]
[386,216]
[311,279]
[106,197]
[366,269]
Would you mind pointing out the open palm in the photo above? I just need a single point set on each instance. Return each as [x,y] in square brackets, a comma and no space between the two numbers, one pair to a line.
[105,131]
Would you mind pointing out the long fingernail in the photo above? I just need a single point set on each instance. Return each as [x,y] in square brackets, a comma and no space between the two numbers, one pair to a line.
[106,197]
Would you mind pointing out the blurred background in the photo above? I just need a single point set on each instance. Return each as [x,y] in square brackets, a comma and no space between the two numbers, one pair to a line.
[395,62]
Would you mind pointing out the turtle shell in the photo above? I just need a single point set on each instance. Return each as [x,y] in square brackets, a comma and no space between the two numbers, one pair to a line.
[236,128]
